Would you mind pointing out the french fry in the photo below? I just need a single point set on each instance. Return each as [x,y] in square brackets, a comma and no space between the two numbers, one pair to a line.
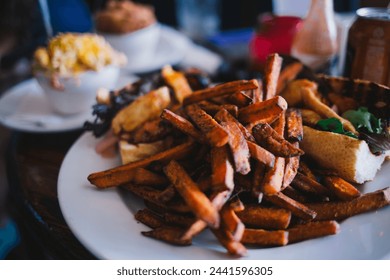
[196,200]
[309,185]
[149,218]
[257,216]
[214,133]
[258,92]
[183,125]
[172,235]
[267,111]
[178,82]
[212,108]
[290,169]
[221,90]
[271,75]
[224,115]
[297,209]
[341,188]
[264,238]
[257,181]
[222,177]
[260,154]
[340,210]
[305,170]
[294,131]
[232,222]
[288,74]
[122,174]
[238,145]
[226,239]
[240,99]
[268,138]
[150,131]
[178,220]
[295,194]
[312,230]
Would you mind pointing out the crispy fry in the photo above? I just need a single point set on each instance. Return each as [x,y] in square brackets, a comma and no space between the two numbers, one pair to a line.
[150,131]
[222,176]
[178,220]
[237,143]
[223,115]
[341,188]
[220,90]
[294,131]
[268,138]
[296,208]
[305,170]
[172,235]
[266,111]
[257,216]
[196,200]
[260,154]
[294,194]
[340,210]
[273,178]
[257,180]
[149,218]
[240,99]
[264,238]
[271,75]
[288,74]
[309,185]
[214,133]
[232,222]
[314,103]
[178,82]
[121,174]
[212,108]
[312,230]
[290,169]
[226,239]
[183,125]
[257,94]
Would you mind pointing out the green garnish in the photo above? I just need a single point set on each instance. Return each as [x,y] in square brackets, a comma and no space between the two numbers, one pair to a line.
[363,120]
[334,125]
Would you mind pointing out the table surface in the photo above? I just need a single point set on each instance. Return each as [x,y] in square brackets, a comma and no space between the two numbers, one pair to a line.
[33,164]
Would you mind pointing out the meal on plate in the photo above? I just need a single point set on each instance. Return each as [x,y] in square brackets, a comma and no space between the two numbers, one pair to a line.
[68,54]
[122,17]
[248,159]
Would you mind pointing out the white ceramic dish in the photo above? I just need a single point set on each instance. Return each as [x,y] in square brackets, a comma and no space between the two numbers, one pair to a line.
[25,107]
[171,47]
[138,46]
[79,92]
[104,221]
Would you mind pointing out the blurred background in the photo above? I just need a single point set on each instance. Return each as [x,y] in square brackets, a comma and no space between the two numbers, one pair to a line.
[25,25]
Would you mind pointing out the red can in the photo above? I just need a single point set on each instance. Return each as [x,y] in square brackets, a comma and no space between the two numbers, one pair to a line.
[368,51]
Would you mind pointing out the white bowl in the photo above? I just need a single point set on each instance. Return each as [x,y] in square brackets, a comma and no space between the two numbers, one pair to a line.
[79,92]
[138,46]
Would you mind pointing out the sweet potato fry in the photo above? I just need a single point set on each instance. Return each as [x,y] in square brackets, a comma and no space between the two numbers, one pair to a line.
[240,99]
[312,230]
[178,82]
[260,154]
[340,210]
[214,133]
[221,90]
[341,188]
[178,219]
[294,131]
[238,145]
[122,174]
[148,132]
[212,108]
[305,170]
[268,138]
[273,178]
[172,235]
[257,94]
[149,218]
[267,111]
[264,238]
[297,209]
[271,75]
[290,169]
[183,125]
[309,186]
[295,194]
[257,181]
[196,200]
[287,74]
[223,115]
[232,223]
[232,246]
[222,177]
[257,216]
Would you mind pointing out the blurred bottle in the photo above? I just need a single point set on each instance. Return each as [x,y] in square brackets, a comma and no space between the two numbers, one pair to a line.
[316,42]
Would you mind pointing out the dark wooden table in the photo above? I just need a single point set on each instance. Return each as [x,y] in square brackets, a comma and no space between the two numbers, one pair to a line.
[33,163]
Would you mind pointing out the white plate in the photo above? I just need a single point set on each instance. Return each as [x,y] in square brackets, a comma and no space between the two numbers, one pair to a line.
[25,107]
[171,49]
[104,221]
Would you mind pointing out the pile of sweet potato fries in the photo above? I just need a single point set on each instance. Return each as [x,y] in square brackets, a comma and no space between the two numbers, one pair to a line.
[235,167]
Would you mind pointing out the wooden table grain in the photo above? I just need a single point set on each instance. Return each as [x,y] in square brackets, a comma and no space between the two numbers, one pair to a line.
[33,163]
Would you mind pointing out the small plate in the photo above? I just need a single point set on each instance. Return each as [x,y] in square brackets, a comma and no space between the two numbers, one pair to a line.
[171,49]
[25,107]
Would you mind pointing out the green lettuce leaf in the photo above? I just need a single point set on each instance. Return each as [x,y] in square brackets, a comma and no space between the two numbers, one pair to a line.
[334,125]
[363,120]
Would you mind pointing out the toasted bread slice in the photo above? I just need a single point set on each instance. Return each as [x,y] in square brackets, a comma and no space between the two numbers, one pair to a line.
[349,157]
